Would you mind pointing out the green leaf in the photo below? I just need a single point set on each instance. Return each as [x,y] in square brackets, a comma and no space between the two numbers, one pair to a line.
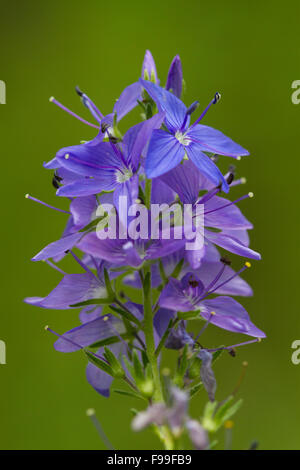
[98,362]
[195,389]
[129,394]
[138,368]
[126,314]
[108,285]
[227,410]
[216,355]
[107,300]
[177,268]
[191,315]
[129,366]
[164,338]
[114,363]
[111,340]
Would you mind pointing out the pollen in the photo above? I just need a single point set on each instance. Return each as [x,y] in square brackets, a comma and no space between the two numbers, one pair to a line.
[46,327]
[67,156]
[105,318]
[51,99]
[212,312]
[239,158]
[250,194]
[26,196]
[247,264]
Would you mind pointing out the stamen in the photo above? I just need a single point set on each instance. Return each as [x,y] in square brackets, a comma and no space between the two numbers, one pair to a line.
[83,265]
[242,180]
[205,326]
[27,196]
[92,415]
[74,344]
[250,195]
[215,100]
[53,100]
[214,281]
[247,265]
[228,348]
[55,267]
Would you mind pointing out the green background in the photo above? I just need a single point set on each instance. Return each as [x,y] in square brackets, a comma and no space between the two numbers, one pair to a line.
[249,51]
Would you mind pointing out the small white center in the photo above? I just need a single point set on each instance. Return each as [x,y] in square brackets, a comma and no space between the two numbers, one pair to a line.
[124,175]
[182,138]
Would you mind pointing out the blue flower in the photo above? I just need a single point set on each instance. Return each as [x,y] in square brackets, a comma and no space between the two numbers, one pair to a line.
[169,146]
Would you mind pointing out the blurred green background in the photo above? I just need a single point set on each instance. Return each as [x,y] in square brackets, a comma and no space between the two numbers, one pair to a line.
[248,51]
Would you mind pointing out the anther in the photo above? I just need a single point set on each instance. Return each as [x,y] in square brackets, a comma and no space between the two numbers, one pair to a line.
[51,99]
[217,98]
[67,156]
[228,424]
[225,260]
[78,91]
[250,194]
[90,412]
[104,127]
[247,264]
[230,178]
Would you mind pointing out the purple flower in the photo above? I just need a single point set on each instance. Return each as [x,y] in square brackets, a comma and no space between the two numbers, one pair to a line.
[175,416]
[224,312]
[168,147]
[107,166]
[225,225]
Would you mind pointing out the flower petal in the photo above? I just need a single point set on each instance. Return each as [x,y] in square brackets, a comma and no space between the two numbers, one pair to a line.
[89,333]
[211,140]
[58,247]
[206,165]
[164,154]
[220,214]
[167,102]
[229,315]
[87,186]
[149,66]
[231,244]
[72,289]
[186,182]
[174,79]
[128,100]
[137,137]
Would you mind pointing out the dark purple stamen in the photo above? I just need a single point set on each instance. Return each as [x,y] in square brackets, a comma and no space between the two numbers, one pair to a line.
[215,99]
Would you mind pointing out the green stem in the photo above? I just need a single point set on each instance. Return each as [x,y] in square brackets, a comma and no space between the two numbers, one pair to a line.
[148,188]
[149,335]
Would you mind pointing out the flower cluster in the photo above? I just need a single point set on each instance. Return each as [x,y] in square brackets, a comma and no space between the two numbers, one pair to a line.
[169,160]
